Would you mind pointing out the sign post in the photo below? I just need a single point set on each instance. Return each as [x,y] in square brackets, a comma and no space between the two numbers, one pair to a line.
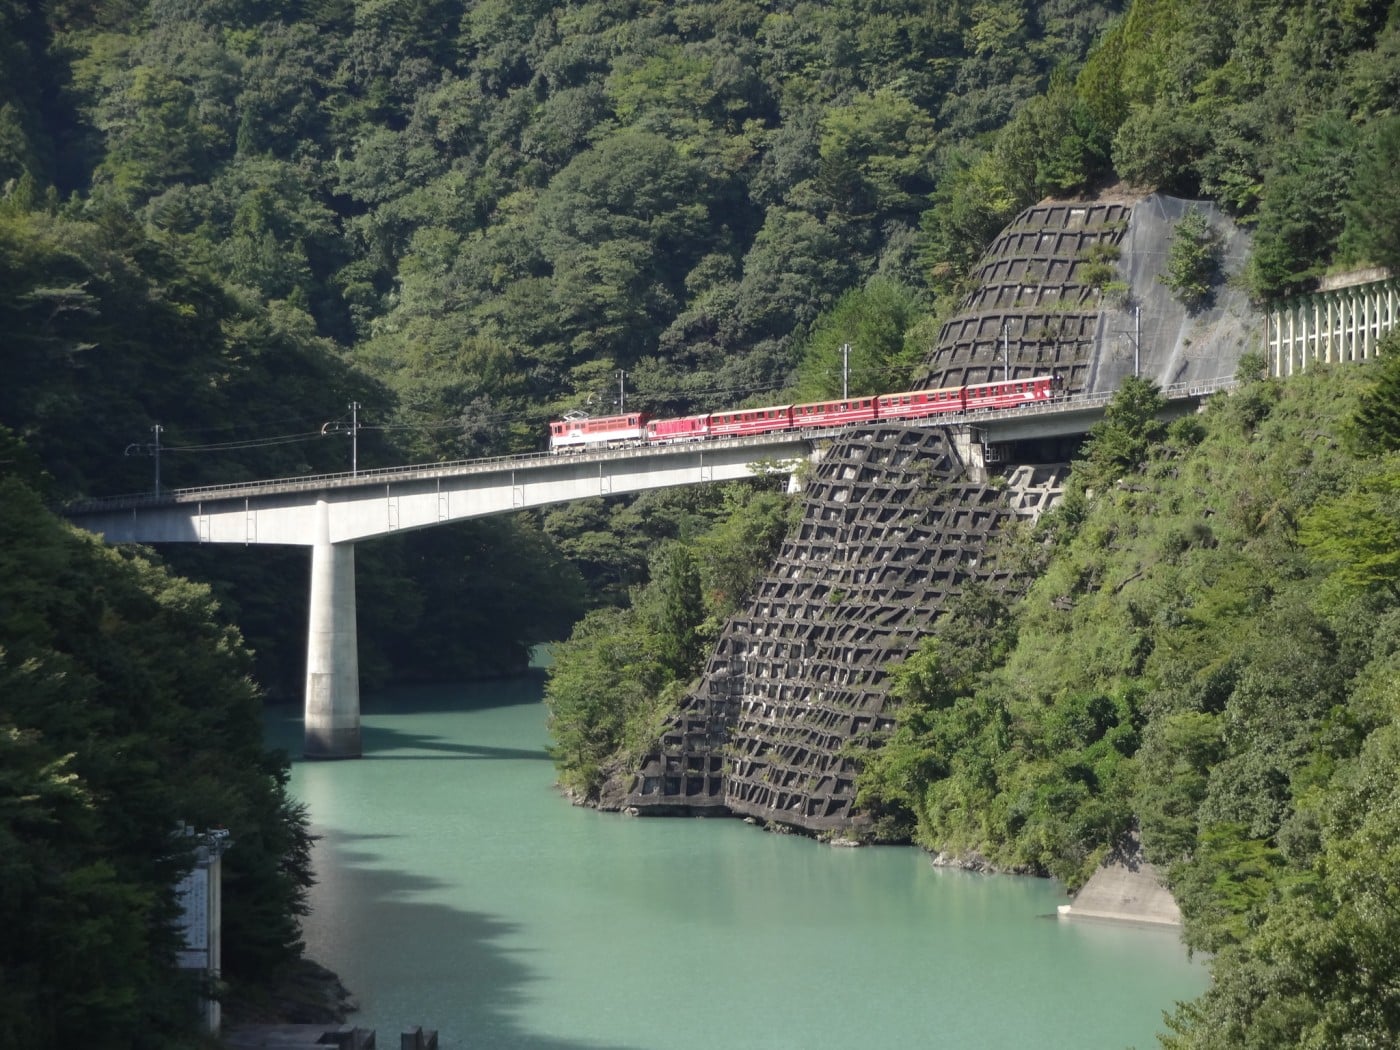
[200,896]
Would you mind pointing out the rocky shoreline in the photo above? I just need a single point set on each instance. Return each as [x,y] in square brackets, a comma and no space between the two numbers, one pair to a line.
[308,993]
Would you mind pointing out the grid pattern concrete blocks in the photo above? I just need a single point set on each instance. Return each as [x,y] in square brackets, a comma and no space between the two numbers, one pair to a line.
[1031,310]
[890,530]
[1031,490]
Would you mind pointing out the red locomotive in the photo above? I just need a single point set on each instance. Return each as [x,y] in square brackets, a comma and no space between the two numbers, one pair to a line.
[577,433]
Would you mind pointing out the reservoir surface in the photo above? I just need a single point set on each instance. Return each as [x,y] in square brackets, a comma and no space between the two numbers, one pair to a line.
[458,890]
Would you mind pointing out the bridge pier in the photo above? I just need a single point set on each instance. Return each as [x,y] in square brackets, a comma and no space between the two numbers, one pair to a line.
[332,723]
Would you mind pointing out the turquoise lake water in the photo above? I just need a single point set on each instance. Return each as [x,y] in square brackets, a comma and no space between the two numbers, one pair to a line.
[458,890]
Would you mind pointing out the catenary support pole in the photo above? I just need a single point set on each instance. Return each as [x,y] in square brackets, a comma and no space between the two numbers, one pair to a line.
[332,727]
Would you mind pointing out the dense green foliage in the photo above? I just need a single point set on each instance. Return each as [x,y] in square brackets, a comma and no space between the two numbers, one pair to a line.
[230,219]
[109,330]
[1209,654]
[1264,108]
[125,709]
[493,209]
[1193,261]
[622,671]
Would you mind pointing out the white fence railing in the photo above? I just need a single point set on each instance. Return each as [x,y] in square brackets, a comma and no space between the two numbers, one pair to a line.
[1336,325]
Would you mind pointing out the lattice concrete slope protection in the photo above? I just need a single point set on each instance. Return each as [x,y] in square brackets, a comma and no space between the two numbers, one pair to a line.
[890,530]
[1034,309]
[1031,309]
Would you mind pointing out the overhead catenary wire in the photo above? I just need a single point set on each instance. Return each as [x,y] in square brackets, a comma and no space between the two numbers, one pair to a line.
[238,444]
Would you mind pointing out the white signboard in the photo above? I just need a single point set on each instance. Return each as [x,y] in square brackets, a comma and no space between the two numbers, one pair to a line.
[193,895]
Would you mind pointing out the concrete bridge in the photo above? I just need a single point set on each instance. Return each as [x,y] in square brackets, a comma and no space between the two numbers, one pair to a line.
[329,513]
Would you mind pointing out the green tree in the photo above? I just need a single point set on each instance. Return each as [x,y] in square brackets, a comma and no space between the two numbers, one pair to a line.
[874,155]
[604,682]
[679,612]
[1120,441]
[1372,215]
[1375,427]
[1358,533]
[1300,218]
[974,198]
[872,322]
[1193,260]
[126,708]
[735,554]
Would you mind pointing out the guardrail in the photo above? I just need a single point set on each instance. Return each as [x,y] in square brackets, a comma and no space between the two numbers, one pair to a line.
[427,471]
[490,464]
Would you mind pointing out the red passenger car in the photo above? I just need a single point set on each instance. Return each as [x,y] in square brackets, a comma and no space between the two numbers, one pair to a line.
[916,404]
[1013,393]
[834,413]
[750,421]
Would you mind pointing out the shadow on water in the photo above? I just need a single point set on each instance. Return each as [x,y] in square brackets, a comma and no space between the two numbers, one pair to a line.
[456,696]
[377,742]
[284,721]
[486,984]
[431,698]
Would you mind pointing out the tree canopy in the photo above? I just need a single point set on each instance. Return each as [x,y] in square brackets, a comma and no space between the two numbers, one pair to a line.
[126,710]
[232,219]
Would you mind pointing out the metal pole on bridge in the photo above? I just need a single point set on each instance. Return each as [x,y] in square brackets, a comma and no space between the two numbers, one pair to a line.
[338,427]
[354,437]
[155,446]
[149,449]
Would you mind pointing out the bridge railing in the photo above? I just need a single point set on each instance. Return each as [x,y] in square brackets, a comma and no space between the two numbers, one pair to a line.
[348,479]
[444,468]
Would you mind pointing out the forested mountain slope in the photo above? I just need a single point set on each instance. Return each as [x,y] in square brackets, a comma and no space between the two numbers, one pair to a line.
[233,218]
[126,711]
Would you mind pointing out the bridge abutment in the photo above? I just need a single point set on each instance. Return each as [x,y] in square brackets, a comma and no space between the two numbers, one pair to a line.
[332,725]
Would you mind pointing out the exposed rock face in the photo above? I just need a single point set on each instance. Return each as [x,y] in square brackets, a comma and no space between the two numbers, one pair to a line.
[1074,288]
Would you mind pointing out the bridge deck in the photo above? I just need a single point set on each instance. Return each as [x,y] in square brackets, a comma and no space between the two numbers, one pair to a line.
[996,424]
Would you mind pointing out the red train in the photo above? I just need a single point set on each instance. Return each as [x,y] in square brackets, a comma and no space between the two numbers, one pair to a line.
[576,433]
